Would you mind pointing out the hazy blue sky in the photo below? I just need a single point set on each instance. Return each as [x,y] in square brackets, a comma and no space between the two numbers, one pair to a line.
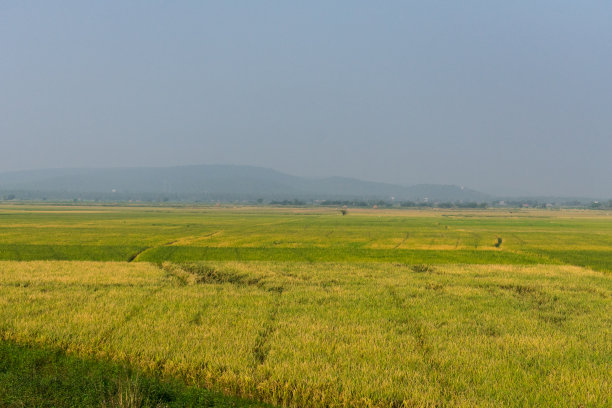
[501,96]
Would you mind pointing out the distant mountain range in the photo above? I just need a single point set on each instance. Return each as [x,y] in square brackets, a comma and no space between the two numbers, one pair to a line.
[216,182]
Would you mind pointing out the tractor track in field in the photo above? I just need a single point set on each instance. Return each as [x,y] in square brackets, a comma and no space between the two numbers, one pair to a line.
[413,325]
[129,315]
[261,349]
[136,254]
[420,333]
[403,241]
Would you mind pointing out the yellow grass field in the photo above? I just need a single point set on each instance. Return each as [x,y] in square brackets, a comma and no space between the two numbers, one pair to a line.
[330,334]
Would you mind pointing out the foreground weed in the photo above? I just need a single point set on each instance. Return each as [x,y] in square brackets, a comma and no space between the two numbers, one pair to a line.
[129,395]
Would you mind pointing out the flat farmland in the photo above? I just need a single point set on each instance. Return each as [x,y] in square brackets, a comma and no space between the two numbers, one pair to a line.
[306,307]
[308,235]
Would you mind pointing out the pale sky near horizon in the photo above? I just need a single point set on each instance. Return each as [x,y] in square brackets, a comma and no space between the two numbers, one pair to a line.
[504,97]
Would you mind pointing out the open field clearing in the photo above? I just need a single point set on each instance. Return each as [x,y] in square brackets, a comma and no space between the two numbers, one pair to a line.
[305,307]
[306,235]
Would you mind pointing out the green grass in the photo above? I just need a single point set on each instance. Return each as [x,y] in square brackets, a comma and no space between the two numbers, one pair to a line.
[600,260]
[46,377]
[73,252]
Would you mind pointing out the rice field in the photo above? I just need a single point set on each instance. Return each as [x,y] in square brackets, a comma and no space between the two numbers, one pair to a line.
[305,307]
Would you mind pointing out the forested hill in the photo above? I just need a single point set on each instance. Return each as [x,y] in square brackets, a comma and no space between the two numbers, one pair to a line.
[217,182]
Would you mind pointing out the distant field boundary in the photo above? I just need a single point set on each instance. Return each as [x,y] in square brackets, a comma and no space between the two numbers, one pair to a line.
[598,260]
[188,253]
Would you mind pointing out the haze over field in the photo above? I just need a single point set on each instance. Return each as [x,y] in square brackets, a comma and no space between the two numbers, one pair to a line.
[508,98]
[216,182]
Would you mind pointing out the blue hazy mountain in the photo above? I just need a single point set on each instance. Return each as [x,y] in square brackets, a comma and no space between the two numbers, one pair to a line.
[218,182]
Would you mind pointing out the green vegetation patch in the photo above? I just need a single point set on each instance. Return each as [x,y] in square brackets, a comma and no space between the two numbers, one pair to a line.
[59,252]
[598,260]
[47,377]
